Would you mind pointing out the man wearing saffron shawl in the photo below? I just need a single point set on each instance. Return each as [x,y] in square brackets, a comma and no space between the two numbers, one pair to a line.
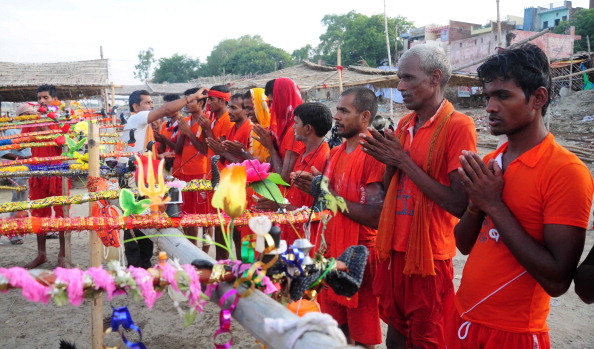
[425,197]
[280,141]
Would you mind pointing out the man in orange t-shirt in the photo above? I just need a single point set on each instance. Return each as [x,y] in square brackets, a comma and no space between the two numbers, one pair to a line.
[415,235]
[356,177]
[312,123]
[239,133]
[529,208]
[193,163]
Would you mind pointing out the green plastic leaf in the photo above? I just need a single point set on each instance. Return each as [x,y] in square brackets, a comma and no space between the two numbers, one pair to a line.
[189,317]
[81,143]
[268,190]
[276,179]
[342,206]
[70,142]
[129,205]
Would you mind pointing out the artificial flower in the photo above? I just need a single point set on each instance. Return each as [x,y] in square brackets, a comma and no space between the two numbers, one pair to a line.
[255,170]
[82,127]
[231,194]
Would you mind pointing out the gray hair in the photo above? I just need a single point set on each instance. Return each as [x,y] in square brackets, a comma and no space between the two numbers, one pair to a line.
[431,57]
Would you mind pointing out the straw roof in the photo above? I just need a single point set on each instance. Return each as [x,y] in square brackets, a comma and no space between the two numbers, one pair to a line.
[74,80]
[314,76]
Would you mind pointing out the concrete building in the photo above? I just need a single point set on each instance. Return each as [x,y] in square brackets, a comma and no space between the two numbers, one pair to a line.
[542,17]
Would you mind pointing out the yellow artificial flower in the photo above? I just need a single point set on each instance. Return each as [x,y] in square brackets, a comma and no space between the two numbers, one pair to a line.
[231,194]
[83,127]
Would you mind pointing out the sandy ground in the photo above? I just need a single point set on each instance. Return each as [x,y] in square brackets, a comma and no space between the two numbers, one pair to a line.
[30,325]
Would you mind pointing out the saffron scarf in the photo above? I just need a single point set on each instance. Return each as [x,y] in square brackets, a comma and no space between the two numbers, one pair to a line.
[260,102]
[342,231]
[419,253]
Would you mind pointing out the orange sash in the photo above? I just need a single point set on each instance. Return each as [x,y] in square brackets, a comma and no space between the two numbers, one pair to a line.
[419,254]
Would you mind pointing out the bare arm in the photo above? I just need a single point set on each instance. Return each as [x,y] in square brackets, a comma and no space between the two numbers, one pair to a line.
[551,264]
[388,150]
[367,214]
[173,107]
[468,228]
[584,279]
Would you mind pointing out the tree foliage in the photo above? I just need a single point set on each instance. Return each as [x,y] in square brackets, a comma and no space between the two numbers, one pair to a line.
[307,52]
[177,68]
[224,50]
[260,59]
[583,20]
[145,61]
[361,38]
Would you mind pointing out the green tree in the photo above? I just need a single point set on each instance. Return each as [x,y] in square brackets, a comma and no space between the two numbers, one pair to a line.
[583,20]
[177,68]
[307,52]
[361,38]
[145,61]
[260,59]
[220,54]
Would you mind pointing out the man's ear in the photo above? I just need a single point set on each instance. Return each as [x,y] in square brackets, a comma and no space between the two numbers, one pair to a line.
[541,97]
[134,107]
[436,77]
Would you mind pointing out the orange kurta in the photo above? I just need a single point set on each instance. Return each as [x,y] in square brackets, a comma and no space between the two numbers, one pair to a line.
[316,158]
[220,127]
[241,134]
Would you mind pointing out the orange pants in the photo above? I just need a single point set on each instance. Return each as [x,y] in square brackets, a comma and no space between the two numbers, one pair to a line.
[461,334]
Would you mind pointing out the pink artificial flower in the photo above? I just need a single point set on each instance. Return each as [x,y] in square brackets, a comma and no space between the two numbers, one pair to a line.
[102,280]
[76,285]
[32,290]
[168,273]
[144,281]
[255,170]
[195,288]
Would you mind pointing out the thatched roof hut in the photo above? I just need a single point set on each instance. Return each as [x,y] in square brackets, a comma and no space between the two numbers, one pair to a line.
[74,80]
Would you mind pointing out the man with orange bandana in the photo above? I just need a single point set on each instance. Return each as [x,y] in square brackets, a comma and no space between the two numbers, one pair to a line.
[526,222]
[356,177]
[424,196]
[216,127]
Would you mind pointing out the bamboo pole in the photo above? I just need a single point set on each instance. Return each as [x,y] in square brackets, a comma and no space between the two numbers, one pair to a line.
[250,311]
[573,74]
[66,210]
[95,242]
[339,63]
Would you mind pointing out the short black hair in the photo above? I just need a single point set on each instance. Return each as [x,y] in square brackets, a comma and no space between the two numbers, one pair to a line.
[193,90]
[527,66]
[247,95]
[170,97]
[317,115]
[365,99]
[136,99]
[269,88]
[238,96]
[51,89]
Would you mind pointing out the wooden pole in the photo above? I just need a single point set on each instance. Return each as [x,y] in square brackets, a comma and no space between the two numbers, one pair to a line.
[114,117]
[339,62]
[250,311]
[66,210]
[498,27]
[95,242]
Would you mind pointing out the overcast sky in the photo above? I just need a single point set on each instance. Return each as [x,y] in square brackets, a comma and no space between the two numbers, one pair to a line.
[71,30]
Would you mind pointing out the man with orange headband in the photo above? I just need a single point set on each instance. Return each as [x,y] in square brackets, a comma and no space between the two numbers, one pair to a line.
[285,96]
[415,238]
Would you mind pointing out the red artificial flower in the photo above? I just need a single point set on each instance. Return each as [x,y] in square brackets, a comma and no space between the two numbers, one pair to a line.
[60,140]
[42,109]
[52,115]
[65,128]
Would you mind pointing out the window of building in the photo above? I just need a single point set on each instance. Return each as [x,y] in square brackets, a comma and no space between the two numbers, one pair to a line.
[557,22]
[545,24]
[564,18]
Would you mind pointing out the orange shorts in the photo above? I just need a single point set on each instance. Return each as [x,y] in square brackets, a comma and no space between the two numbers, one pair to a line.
[363,321]
[461,334]
[194,202]
[415,305]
